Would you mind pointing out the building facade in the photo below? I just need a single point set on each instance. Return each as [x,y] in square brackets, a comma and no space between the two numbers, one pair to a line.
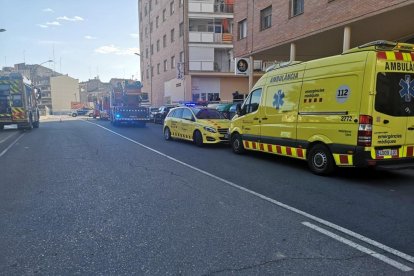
[187,51]
[285,30]
[64,91]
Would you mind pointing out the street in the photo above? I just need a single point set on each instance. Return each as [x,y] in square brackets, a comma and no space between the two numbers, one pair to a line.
[80,196]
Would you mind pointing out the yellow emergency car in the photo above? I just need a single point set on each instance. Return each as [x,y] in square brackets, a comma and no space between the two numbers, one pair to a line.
[351,110]
[201,125]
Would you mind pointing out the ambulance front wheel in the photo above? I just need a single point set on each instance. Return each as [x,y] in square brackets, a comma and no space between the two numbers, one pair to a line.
[320,160]
[237,144]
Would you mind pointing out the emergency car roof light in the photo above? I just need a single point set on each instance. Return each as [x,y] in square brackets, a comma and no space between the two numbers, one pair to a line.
[405,47]
[380,44]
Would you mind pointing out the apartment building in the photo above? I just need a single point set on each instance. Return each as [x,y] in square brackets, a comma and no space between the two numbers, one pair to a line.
[284,30]
[187,51]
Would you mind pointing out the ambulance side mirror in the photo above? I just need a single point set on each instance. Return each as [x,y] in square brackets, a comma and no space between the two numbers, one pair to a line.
[238,109]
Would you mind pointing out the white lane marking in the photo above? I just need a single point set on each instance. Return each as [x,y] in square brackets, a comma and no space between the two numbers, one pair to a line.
[11,145]
[278,203]
[361,248]
[7,137]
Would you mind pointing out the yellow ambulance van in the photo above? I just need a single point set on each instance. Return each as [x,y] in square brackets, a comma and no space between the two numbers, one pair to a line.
[351,110]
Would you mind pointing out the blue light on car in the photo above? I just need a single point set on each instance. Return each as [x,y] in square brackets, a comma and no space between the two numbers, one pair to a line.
[118,115]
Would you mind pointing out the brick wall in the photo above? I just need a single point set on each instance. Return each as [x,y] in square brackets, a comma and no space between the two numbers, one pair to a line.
[318,16]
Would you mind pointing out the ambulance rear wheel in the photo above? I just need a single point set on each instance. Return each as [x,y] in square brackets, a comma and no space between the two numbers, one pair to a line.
[320,160]
[237,144]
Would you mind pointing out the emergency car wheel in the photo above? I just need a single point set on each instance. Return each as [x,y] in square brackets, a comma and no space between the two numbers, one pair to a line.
[198,138]
[167,134]
[237,144]
[320,160]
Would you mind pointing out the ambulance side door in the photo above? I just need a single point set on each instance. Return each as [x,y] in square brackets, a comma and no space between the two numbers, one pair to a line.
[251,114]
[279,120]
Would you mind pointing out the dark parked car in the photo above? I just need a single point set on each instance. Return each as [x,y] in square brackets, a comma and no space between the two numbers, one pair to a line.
[162,112]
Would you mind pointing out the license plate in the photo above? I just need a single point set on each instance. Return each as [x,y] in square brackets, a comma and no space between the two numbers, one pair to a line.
[387,152]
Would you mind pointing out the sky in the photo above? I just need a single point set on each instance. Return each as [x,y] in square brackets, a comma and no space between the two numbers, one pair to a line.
[84,38]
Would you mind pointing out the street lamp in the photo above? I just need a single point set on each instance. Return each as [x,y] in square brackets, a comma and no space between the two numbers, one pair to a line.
[34,69]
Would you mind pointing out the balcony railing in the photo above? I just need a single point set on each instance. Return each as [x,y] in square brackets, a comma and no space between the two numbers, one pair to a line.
[210,66]
[209,37]
[223,8]
[209,7]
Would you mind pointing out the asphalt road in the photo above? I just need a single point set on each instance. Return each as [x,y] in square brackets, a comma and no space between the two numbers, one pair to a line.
[83,197]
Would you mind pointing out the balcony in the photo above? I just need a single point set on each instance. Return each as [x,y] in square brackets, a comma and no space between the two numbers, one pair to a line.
[221,60]
[210,30]
[209,7]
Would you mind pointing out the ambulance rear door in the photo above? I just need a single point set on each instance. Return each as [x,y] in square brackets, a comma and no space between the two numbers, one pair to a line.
[393,112]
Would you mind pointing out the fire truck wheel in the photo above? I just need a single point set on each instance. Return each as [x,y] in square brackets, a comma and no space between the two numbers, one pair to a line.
[36,124]
[198,138]
[30,125]
[237,144]
[320,160]
[167,133]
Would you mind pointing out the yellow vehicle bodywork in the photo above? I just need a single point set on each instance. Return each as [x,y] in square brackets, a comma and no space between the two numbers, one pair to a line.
[212,131]
[358,107]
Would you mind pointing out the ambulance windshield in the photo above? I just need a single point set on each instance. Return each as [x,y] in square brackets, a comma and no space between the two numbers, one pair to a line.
[395,94]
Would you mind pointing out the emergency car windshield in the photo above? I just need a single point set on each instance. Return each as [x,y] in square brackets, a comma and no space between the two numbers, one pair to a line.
[205,113]
[395,96]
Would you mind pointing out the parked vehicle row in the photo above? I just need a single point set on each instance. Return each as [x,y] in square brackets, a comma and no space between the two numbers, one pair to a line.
[349,110]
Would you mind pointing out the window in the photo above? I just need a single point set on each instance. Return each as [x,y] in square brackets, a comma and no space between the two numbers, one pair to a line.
[181,3]
[158,45]
[150,5]
[187,114]
[297,7]
[165,65]
[152,49]
[158,68]
[164,41]
[140,17]
[145,10]
[146,32]
[146,52]
[164,11]
[394,98]
[152,71]
[177,113]
[151,25]
[172,62]
[172,8]
[157,19]
[243,29]
[147,73]
[266,18]
[156,2]
[172,35]
[182,56]
[181,29]
[252,102]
